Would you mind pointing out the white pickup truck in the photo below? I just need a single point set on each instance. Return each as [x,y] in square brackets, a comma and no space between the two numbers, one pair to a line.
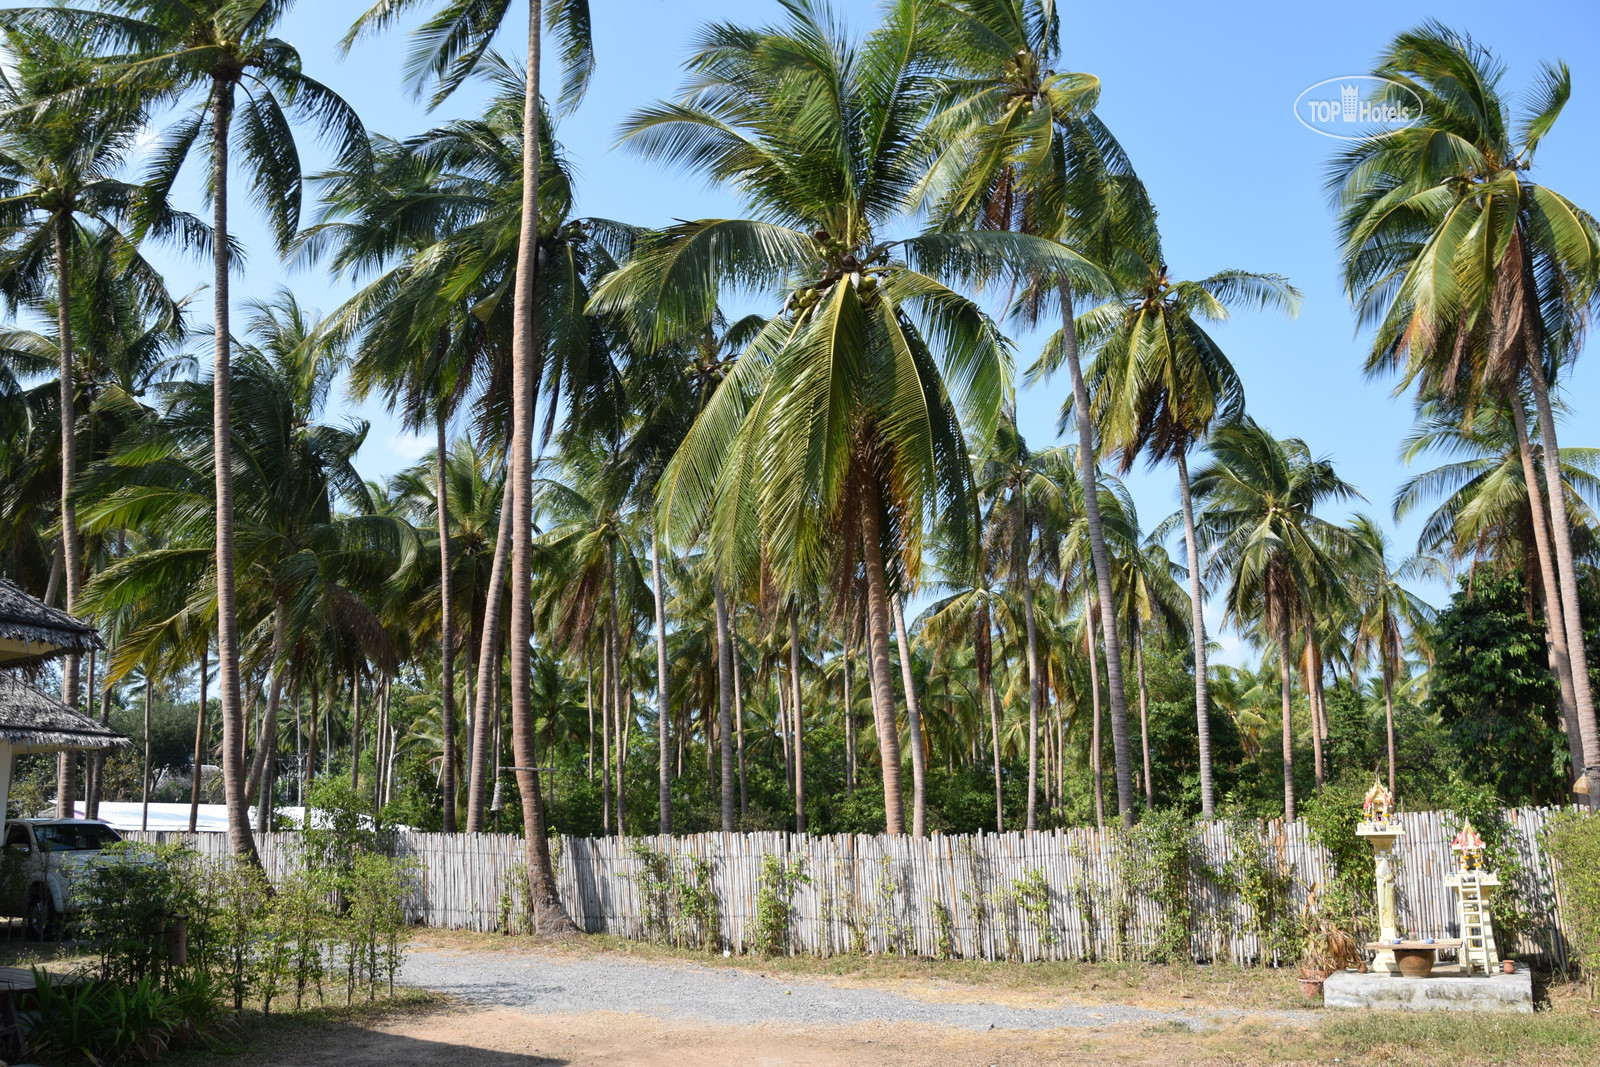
[42,858]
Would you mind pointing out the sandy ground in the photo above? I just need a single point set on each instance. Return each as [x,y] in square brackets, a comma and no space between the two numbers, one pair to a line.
[464,1037]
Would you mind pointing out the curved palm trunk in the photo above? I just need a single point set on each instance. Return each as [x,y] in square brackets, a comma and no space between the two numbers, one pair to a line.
[1566,571]
[549,917]
[1555,616]
[1197,623]
[233,773]
[263,766]
[725,705]
[1102,562]
[878,645]
[919,795]
[479,789]
[67,762]
[1286,694]
[664,787]
[447,631]
[799,724]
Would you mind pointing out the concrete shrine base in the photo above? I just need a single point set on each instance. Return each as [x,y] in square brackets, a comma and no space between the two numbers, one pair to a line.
[1445,990]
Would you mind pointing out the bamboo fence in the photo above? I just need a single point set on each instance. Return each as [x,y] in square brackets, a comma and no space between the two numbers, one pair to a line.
[1093,895]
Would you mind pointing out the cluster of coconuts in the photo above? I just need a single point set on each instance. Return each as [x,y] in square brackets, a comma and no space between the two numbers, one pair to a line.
[850,266]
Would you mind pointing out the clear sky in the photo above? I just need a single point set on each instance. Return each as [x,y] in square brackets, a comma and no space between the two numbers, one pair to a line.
[1201,96]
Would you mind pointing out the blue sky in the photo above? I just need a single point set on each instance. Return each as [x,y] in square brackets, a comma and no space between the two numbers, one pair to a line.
[1201,96]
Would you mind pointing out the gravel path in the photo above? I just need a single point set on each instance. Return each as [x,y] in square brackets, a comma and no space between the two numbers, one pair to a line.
[547,985]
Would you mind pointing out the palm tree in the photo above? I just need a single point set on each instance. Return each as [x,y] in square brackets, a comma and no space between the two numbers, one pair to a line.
[1386,609]
[206,52]
[1492,510]
[59,190]
[1023,150]
[1161,382]
[1024,493]
[1277,556]
[836,427]
[1476,278]
[449,49]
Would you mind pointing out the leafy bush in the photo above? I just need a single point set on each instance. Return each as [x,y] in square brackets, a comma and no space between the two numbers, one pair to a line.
[777,884]
[124,901]
[110,1022]
[1572,839]
[1346,899]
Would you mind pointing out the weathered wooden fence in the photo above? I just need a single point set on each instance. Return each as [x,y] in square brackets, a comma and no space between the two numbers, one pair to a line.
[1092,897]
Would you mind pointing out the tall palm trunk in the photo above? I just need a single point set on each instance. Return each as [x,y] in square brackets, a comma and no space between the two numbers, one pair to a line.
[799,722]
[1555,617]
[311,748]
[983,653]
[738,714]
[605,726]
[144,776]
[878,643]
[725,704]
[1033,702]
[1144,717]
[1566,572]
[849,719]
[1286,695]
[67,762]
[1197,624]
[262,766]
[1388,713]
[549,917]
[199,742]
[664,785]
[1313,697]
[919,789]
[1102,562]
[1094,696]
[228,682]
[479,787]
[447,628]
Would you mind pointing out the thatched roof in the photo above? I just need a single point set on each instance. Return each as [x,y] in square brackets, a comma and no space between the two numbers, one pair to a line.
[34,721]
[30,632]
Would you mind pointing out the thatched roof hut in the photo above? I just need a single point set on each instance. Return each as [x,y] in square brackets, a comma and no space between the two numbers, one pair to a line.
[31,632]
[32,720]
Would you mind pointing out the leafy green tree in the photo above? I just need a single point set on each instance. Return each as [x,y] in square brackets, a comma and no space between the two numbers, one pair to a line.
[1492,687]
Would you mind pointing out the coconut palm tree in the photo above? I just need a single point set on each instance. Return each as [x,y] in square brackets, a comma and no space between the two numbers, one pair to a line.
[199,57]
[449,48]
[835,436]
[1160,383]
[59,190]
[1476,279]
[1278,557]
[1022,149]
[1386,609]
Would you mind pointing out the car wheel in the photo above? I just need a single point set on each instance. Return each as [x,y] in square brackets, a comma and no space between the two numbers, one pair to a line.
[43,922]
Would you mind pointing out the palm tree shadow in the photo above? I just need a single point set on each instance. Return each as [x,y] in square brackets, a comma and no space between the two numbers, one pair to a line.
[350,1045]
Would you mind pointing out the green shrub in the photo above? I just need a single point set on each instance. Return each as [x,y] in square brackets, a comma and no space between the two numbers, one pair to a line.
[111,1022]
[1572,840]
[124,901]
[776,888]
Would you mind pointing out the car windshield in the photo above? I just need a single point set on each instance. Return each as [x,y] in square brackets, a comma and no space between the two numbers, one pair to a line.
[74,837]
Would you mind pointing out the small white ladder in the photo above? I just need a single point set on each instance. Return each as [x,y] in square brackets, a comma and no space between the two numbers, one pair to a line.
[1477,930]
